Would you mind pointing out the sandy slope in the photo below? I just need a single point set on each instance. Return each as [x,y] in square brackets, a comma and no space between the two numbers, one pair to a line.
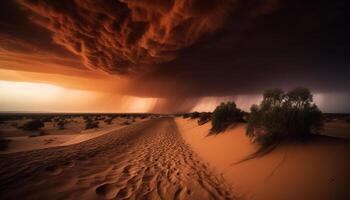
[72,134]
[318,169]
[25,143]
[337,128]
[148,160]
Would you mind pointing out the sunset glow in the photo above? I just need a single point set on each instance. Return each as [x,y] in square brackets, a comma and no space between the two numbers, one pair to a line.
[25,96]
[169,57]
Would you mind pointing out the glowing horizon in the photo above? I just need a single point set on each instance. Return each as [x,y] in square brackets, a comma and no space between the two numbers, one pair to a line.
[42,97]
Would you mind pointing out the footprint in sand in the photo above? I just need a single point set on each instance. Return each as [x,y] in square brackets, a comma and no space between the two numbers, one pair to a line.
[109,191]
[68,164]
[145,161]
[124,193]
[53,170]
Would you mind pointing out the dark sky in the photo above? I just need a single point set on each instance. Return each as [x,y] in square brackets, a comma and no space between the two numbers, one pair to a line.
[187,48]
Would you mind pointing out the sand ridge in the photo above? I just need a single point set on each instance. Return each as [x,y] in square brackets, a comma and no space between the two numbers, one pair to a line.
[148,160]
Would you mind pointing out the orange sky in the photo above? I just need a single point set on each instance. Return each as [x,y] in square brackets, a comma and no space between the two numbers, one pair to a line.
[44,97]
[40,97]
[167,56]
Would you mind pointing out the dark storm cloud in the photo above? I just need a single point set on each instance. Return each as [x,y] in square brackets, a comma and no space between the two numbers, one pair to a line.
[29,47]
[265,44]
[199,47]
[282,44]
[126,36]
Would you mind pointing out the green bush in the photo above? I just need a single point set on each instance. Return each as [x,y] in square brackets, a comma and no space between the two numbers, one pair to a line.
[225,115]
[91,124]
[61,124]
[284,115]
[204,118]
[194,115]
[46,119]
[86,117]
[33,125]
[108,120]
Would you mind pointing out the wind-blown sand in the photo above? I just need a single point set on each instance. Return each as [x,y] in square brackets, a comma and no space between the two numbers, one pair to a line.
[318,169]
[148,160]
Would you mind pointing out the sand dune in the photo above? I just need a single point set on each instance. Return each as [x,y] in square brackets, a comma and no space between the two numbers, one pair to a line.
[318,169]
[148,160]
[53,137]
[167,159]
[25,143]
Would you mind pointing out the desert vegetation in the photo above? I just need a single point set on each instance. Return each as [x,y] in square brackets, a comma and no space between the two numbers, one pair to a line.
[224,115]
[108,120]
[186,115]
[143,116]
[46,119]
[283,115]
[61,124]
[194,115]
[91,123]
[33,125]
[39,123]
[204,118]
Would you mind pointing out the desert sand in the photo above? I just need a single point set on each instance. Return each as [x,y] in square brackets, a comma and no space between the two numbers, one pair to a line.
[337,128]
[147,160]
[73,133]
[169,158]
[25,143]
[317,169]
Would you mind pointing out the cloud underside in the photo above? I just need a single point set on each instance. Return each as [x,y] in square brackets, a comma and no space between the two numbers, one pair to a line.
[186,47]
[125,37]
